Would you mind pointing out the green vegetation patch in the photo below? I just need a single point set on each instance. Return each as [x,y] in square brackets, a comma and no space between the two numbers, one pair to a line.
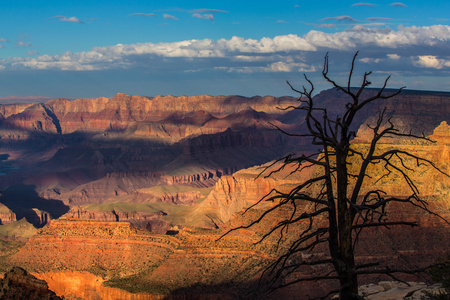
[7,249]
[137,283]
[172,189]
[19,228]
[122,207]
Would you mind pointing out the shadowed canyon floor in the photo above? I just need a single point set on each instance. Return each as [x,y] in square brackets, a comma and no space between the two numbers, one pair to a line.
[131,194]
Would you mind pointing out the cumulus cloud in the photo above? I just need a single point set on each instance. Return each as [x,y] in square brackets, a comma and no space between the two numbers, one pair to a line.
[398,4]
[346,19]
[414,47]
[68,19]
[363,4]
[393,56]
[204,16]
[142,14]
[368,60]
[167,16]
[289,66]
[2,40]
[430,61]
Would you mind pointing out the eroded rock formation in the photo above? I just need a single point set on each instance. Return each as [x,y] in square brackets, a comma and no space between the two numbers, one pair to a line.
[6,215]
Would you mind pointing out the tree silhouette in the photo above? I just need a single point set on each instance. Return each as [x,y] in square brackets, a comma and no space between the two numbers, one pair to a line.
[339,206]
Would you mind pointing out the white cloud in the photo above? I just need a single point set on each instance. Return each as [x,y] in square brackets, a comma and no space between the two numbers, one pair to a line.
[430,61]
[204,16]
[290,66]
[326,26]
[284,53]
[167,16]
[23,44]
[393,56]
[68,19]
[346,19]
[363,4]
[398,4]
[2,40]
[368,60]
[142,14]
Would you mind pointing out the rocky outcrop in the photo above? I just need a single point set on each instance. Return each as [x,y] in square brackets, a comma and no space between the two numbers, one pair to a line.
[81,213]
[232,194]
[7,110]
[19,284]
[178,196]
[386,290]
[6,215]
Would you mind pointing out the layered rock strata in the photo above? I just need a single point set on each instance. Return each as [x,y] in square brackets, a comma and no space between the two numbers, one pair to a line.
[62,116]
[94,246]
[6,215]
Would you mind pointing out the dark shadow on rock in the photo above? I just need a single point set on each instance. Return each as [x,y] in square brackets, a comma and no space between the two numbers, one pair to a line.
[252,290]
[22,199]
[226,291]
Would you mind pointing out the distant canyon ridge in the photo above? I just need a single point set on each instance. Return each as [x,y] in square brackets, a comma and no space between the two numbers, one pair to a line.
[180,170]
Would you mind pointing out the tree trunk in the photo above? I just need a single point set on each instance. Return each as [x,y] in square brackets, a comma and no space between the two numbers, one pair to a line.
[349,284]
[347,270]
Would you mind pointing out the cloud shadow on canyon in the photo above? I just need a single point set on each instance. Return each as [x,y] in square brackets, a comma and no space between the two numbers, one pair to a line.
[22,199]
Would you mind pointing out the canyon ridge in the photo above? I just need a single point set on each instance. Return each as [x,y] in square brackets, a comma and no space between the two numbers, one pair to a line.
[126,197]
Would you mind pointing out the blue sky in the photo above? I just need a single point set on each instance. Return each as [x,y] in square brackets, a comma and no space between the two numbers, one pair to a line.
[99,48]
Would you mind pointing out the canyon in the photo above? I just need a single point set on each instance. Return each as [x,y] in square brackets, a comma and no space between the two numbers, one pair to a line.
[132,194]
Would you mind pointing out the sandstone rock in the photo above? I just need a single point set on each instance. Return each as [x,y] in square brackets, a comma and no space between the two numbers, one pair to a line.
[6,215]
[7,110]
[369,289]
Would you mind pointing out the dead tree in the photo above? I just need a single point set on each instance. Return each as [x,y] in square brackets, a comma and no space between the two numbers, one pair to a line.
[340,200]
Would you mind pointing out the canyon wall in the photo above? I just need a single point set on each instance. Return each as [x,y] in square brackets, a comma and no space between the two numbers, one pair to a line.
[61,116]
[113,151]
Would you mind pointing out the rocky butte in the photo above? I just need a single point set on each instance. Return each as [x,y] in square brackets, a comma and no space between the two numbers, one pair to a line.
[132,193]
